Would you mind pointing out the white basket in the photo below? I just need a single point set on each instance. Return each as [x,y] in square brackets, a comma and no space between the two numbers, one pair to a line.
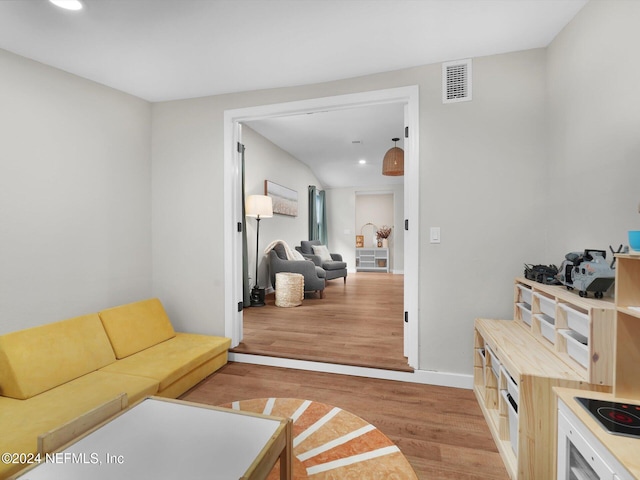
[513,422]
[512,386]
[525,294]
[547,327]
[289,289]
[483,356]
[495,363]
[547,305]
[576,346]
[525,313]
[576,320]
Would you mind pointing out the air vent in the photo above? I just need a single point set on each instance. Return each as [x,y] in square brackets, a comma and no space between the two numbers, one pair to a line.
[456,81]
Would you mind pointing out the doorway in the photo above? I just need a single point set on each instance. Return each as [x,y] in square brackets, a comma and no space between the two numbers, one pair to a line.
[407,96]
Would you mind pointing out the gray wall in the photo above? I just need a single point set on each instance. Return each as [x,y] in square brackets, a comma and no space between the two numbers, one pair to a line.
[75,195]
[266,161]
[474,157]
[81,208]
[594,129]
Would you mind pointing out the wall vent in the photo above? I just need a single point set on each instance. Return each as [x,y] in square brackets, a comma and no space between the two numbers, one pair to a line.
[456,81]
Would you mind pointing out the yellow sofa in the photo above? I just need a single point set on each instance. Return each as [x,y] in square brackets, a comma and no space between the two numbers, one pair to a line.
[53,373]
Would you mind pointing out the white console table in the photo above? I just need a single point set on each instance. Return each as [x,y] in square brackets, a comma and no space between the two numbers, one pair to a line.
[161,438]
[372,259]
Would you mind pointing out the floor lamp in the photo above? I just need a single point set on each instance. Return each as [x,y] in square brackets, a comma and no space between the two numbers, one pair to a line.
[258,207]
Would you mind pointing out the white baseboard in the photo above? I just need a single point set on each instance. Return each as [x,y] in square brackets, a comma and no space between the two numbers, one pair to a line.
[425,377]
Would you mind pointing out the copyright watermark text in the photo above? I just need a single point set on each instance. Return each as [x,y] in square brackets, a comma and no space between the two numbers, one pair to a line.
[61,458]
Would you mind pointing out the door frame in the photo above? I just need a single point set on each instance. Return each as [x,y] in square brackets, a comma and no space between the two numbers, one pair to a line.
[233,202]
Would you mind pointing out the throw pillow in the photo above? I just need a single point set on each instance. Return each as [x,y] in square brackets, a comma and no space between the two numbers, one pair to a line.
[323,252]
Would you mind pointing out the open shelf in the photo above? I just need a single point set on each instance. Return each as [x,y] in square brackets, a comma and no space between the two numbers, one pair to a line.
[561,320]
[627,357]
[533,371]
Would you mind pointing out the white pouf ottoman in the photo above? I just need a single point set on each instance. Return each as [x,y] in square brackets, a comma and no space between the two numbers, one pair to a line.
[289,289]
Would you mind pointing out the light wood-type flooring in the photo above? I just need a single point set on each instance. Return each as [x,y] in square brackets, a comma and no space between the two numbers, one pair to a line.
[360,322]
[440,430]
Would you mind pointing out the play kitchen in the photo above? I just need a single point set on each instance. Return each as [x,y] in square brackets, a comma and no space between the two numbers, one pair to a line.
[560,384]
[598,433]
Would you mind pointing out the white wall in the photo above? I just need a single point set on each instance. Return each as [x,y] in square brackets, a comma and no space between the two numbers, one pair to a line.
[75,195]
[373,206]
[376,208]
[474,160]
[594,127]
[266,161]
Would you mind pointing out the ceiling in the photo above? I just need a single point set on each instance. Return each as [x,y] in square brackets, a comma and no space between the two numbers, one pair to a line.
[332,143]
[162,50]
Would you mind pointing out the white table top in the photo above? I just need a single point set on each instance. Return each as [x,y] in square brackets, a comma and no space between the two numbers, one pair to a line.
[163,440]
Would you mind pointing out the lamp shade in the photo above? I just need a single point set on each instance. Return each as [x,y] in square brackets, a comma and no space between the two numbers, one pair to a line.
[393,162]
[259,206]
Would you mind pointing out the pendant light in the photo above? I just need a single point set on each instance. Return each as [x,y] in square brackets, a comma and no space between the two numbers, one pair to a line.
[393,163]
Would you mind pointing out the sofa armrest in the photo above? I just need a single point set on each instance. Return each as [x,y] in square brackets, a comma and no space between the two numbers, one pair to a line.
[336,257]
[305,267]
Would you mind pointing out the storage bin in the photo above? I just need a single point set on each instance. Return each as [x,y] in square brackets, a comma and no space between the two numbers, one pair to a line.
[547,327]
[576,320]
[513,420]
[547,305]
[525,313]
[483,357]
[576,346]
[495,363]
[512,386]
[525,294]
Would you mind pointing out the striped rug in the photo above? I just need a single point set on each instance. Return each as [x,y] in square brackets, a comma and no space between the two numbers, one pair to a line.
[331,443]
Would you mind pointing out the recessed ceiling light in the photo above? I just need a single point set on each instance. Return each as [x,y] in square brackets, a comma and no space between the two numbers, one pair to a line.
[362,162]
[68,4]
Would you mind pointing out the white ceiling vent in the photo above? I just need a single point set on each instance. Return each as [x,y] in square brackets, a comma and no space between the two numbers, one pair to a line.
[456,81]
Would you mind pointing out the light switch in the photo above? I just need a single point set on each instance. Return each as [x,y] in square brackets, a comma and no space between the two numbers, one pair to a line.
[434,235]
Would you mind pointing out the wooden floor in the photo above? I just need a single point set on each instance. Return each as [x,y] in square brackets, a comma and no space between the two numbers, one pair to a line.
[440,430]
[360,322]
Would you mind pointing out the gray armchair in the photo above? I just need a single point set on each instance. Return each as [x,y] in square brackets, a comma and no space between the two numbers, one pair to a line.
[314,277]
[334,268]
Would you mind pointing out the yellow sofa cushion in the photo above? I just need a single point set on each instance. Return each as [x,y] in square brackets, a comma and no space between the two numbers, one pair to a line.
[136,326]
[37,359]
[21,421]
[168,361]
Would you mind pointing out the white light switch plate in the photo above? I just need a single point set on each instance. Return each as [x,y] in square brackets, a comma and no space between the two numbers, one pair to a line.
[434,235]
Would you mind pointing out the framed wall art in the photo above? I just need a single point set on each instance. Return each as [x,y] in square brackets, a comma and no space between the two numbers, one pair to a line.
[285,200]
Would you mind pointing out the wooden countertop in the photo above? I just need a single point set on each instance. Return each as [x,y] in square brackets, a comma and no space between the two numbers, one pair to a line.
[625,449]
[526,356]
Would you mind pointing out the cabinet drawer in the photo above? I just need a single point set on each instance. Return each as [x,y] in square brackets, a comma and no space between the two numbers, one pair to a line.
[576,320]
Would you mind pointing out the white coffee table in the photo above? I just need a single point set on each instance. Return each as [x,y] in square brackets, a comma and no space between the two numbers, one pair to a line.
[168,439]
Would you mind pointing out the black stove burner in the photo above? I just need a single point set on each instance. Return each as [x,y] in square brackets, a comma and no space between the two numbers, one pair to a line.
[616,418]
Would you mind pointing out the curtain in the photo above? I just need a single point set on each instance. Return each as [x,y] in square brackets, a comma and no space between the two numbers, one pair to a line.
[246,290]
[313,214]
[317,215]
[322,219]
